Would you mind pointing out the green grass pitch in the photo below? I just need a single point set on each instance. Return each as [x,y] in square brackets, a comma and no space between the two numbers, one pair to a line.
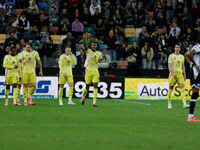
[114,125]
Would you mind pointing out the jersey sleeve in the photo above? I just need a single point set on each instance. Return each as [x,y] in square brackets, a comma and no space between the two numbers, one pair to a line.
[196,48]
[73,60]
[61,63]
[5,63]
[37,56]
[170,59]
[100,56]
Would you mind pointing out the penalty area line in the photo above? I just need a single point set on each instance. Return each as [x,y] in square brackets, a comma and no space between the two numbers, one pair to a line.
[134,102]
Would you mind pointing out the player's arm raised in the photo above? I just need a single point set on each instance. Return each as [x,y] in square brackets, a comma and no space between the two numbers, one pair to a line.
[189,57]
[84,42]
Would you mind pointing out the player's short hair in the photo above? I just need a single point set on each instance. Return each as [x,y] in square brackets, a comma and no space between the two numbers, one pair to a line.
[177,45]
[29,44]
[12,48]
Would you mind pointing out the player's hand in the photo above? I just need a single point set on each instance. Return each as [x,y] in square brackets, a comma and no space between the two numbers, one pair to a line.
[174,75]
[85,35]
[15,66]
[41,73]
[70,53]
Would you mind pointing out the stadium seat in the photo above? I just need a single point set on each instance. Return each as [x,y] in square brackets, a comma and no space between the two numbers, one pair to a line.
[131,39]
[150,14]
[79,46]
[18,12]
[53,30]
[138,30]
[123,64]
[56,39]
[2,38]
[63,37]
[89,30]
[102,46]
[130,32]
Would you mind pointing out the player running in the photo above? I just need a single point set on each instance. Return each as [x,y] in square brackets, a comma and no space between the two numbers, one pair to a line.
[65,64]
[177,75]
[29,80]
[91,72]
[193,58]
[11,64]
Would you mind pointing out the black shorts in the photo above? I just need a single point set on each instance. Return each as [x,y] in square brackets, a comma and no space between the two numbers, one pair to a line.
[195,83]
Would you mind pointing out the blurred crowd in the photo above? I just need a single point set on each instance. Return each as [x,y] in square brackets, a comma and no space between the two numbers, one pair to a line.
[162,24]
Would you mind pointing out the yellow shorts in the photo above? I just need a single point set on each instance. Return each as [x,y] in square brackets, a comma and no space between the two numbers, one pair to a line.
[91,76]
[29,78]
[11,80]
[64,80]
[179,79]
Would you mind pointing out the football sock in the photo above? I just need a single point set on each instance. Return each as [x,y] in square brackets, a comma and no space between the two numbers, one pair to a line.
[169,96]
[15,94]
[25,94]
[18,94]
[31,91]
[60,92]
[6,94]
[70,93]
[183,95]
[84,93]
[95,92]
[193,103]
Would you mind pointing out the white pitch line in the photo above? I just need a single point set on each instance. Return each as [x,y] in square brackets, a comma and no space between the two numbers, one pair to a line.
[134,102]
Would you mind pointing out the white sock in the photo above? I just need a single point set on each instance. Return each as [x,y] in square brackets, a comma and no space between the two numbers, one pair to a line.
[190,115]
[60,100]
[94,103]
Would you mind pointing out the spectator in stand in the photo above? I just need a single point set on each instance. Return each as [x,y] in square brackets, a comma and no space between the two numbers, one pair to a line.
[55,57]
[47,49]
[96,17]
[34,17]
[118,19]
[169,9]
[107,10]
[159,5]
[184,24]
[64,14]
[161,60]
[33,5]
[63,5]
[54,5]
[160,19]
[195,11]
[76,14]
[178,11]
[135,52]
[163,41]
[43,4]
[129,8]
[42,22]
[140,14]
[197,31]
[154,38]
[188,15]
[150,25]
[94,6]
[147,56]
[121,52]
[64,26]
[69,42]
[33,35]
[81,59]
[10,40]
[99,29]
[105,54]
[22,24]
[119,37]
[110,41]
[133,69]
[142,36]
[77,29]
[44,34]
[189,37]
[86,18]
[2,52]
[129,20]
[174,34]
[53,19]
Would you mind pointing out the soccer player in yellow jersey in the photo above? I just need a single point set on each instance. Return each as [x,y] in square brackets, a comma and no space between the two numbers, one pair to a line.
[29,80]
[177,75]
[11,64]
[65,64]
[91,72]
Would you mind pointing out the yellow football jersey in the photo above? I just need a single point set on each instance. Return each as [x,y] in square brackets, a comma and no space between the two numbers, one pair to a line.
[20,63]
[9,63]
[65,64]
[29,61]
[92,60]
[177,62]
